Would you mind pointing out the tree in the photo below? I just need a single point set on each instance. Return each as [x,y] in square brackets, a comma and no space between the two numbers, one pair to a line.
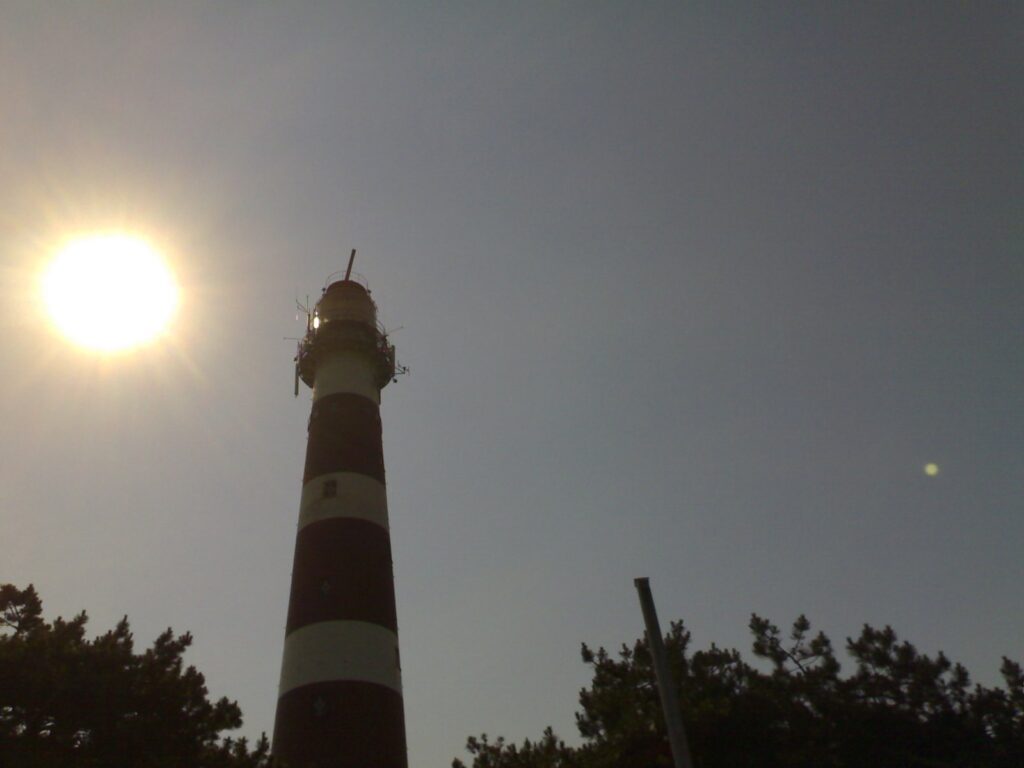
[898,707]
[69,701]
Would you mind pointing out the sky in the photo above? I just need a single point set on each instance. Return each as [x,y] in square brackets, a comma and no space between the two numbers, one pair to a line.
[691,291]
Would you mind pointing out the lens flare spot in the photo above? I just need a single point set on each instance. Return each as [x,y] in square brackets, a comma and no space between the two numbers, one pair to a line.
[931,469]
[109,292]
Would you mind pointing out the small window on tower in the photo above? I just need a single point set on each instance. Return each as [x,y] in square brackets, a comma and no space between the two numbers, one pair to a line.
[330,488]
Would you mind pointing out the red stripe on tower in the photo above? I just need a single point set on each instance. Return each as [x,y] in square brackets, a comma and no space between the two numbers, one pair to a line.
[340,699]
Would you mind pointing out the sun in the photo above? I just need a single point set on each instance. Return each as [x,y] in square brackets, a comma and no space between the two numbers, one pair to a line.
[109,292]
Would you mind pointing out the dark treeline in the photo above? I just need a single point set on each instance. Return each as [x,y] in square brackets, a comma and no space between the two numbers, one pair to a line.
[897,708]
[66,700]
[70,702]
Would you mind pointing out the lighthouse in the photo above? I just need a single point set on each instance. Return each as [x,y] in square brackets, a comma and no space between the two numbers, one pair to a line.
[340,697]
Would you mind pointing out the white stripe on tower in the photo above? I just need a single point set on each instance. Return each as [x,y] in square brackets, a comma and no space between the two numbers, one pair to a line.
[341,650]
[343,494]
[346,372]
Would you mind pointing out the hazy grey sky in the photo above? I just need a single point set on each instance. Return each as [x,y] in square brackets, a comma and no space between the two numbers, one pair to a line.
[690,291]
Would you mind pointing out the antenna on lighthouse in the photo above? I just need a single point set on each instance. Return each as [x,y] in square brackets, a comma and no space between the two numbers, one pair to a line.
[348,272]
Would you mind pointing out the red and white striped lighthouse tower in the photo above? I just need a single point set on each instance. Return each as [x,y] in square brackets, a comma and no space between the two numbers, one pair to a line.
[340,698]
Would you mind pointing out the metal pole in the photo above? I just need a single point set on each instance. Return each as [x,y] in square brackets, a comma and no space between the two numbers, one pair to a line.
[666,686]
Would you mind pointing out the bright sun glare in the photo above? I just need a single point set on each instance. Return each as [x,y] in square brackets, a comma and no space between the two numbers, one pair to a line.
[109,292]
